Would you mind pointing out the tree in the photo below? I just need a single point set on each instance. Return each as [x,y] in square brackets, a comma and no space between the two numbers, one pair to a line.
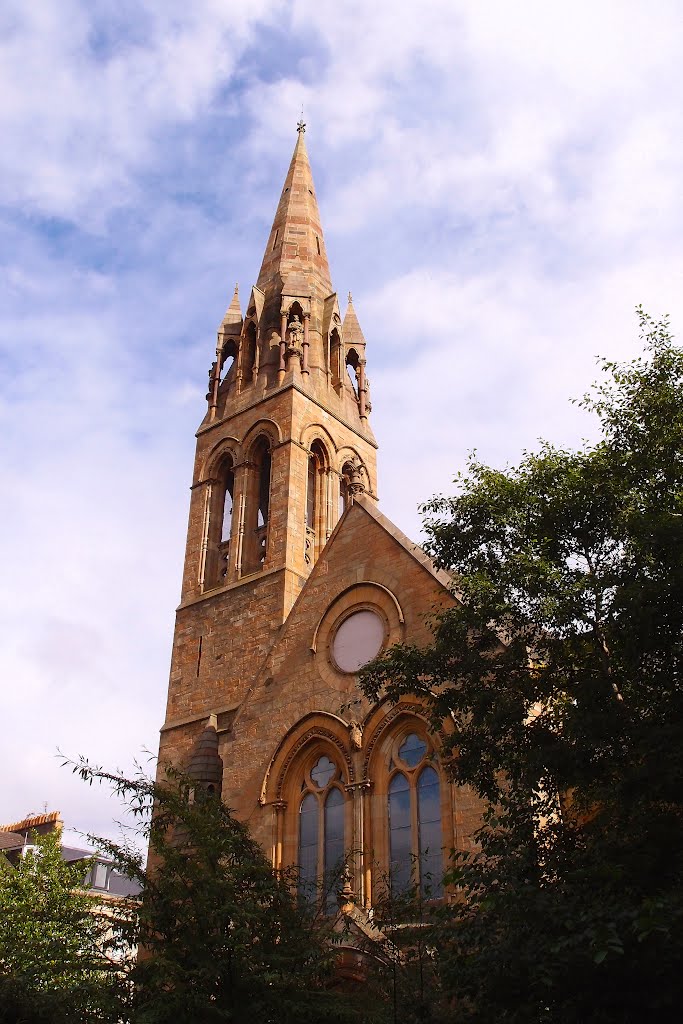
[557,685]
[54,946]
[223,938]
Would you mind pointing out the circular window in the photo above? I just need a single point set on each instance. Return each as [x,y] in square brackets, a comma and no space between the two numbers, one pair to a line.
[358,640]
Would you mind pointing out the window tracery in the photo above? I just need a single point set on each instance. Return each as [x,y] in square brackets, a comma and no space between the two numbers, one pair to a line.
[414,819]
[321,836]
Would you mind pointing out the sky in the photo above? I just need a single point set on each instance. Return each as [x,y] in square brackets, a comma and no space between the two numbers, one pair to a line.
[499,186]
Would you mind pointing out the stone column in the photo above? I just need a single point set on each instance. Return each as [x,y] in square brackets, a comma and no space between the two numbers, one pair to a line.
[361,389]
[283,347]
[206,524]
[304,361]
[240,497]
[279,808]
[358,847]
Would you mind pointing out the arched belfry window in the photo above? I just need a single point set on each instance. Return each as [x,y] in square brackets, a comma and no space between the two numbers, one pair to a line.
[321,832]
[228,354]
[414,819]
[352,364]
[316,503]
[220,521]
[249,353]
[336,360]
[228,489]
[257,506]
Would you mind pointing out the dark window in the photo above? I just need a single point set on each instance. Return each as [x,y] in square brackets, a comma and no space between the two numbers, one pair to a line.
[414,809]
[321,834]
[227,505]
[264,489]
[429,829]
[400,833]
[333,854]
[308,846]
[310,491]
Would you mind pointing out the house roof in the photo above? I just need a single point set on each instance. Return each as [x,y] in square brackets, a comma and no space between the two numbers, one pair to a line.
[54,817]
[10,840]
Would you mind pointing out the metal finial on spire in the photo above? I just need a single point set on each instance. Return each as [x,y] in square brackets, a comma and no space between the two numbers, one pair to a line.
[301,126]
[350,299]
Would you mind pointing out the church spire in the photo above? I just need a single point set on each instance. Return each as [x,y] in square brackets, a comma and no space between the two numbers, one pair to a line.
[295,261]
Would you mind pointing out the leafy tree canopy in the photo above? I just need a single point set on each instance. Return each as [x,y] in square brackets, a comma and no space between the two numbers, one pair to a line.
[223,938]
[557,685]
[55,948]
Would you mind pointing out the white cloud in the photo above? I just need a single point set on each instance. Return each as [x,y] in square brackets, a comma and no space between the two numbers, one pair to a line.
[499,187]
[82,123]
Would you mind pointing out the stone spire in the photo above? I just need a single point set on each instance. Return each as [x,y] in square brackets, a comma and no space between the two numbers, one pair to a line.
[295,261]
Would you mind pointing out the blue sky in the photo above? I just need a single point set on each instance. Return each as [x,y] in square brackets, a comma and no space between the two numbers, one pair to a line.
[499,185]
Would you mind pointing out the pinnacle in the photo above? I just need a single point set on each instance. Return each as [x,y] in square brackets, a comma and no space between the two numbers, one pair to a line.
[353,334]
[233,314]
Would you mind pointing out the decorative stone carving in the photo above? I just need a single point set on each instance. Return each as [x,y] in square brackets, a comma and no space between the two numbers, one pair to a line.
[356,483]
[356,735]
[312,734]
[417,710]
[296,334]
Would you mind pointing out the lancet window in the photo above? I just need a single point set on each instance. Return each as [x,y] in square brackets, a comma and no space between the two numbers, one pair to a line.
[257,506]
[414,819]
[316,503]
[321,832]
[336,359]
[249,350]
[227,359]
[352,363]
[220,525]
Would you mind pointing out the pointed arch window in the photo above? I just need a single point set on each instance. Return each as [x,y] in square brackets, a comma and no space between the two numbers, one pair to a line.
[249,364]
[219,526]
[336,360]
[352,364]
[316,503]
[414,818]
[226,516]
[257,507]
[227,363]
[263,490]
[322,811]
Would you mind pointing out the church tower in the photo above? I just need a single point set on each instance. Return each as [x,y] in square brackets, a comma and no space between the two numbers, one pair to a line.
[293,580]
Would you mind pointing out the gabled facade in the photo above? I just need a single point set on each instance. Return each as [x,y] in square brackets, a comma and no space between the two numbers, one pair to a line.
[293,579]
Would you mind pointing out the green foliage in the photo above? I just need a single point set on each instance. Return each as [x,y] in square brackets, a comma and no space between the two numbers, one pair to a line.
[408,971]
[560,672]
[55,948]
[223,938]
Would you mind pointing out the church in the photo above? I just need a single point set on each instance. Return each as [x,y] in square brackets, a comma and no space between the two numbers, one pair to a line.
[293,580]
